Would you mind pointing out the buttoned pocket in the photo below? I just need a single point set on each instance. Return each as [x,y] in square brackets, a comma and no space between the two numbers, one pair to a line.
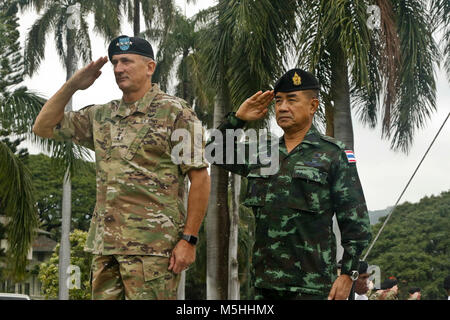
[256,189]
[309,189]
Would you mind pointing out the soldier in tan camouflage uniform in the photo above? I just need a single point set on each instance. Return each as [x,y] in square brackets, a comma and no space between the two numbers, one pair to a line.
[388,291]
[140,233]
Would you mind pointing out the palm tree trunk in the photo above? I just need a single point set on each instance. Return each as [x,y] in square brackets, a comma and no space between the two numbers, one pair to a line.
[137,17]
[342,118]
[233,266]
[340,94]
[64,250]
[217,221]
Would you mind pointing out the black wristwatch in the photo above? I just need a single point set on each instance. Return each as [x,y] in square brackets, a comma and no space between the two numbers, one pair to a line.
[190,238]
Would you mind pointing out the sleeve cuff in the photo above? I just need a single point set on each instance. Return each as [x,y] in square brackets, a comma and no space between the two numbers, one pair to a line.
[232,122]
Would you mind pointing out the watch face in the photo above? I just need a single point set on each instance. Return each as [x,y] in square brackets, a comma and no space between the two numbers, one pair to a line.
[354,275]
[191,239]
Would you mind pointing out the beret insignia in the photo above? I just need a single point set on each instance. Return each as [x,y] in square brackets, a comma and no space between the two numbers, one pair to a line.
[296,80]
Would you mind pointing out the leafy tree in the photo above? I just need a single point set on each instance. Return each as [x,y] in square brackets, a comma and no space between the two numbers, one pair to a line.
[414,245]
[48,271]
[47,179]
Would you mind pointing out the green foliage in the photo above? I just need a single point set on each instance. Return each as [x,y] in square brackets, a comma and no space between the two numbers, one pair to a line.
[17,203]
[48,271]
[47,181]
[414,246]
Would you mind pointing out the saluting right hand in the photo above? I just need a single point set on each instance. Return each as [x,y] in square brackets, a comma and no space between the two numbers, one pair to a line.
[85,77]
[255,107]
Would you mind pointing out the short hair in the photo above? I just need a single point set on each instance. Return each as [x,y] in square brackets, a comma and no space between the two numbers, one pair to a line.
[413,290]
[312,93]
[147,59]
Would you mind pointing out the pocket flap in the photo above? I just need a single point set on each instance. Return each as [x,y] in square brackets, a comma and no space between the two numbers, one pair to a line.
[310,174]
[256,173]
[256,188]
[137,141]
[155,267]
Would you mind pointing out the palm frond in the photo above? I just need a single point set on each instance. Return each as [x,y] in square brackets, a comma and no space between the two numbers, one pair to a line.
[417,95]
[17,201]
[440,12]
[35,42]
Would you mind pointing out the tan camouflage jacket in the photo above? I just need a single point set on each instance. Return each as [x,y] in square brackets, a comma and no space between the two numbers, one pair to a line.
[139,209]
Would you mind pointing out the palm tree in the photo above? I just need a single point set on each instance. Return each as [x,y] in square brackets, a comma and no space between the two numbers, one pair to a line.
[16,196]
[440,10]
[72,41]
[243,48]
[157,13]
[357,65]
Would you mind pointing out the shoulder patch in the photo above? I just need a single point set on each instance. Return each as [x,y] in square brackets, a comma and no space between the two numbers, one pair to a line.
[350,156]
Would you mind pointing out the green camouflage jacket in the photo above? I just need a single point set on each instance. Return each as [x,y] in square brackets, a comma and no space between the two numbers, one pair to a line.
[295,246]
[139,209]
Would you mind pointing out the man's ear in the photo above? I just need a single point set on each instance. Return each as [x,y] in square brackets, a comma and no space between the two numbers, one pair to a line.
[151,66]
[314,105]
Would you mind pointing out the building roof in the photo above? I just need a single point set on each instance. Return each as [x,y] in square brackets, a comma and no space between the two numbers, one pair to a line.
[43,244]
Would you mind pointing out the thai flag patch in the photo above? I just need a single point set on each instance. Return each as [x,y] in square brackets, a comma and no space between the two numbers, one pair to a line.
[350,156]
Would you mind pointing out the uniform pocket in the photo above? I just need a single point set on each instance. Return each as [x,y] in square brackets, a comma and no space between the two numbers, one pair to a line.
[155,267]
[140,131]
[256,189]
[308,189]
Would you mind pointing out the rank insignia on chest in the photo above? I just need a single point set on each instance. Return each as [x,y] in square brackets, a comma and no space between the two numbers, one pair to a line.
[350,156]
[296,80]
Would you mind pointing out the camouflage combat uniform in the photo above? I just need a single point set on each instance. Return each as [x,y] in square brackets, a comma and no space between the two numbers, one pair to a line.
[295,247]
[139,210]
[383,295]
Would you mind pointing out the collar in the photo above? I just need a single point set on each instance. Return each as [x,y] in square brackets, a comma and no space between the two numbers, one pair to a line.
[312,138]
[142,105]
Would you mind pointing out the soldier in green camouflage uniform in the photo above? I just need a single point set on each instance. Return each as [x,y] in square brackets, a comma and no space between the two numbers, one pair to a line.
[138,223]
[294,249]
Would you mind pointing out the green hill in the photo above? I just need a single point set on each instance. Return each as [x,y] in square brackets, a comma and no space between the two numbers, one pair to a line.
[414,246]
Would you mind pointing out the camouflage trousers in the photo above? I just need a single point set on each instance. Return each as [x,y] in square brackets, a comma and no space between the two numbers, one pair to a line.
[269,294]
[121,277]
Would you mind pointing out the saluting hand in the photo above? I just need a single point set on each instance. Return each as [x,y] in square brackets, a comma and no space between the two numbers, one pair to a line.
[85,77]
[255,107]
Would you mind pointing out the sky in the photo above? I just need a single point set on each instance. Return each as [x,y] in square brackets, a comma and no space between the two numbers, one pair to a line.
[383,173]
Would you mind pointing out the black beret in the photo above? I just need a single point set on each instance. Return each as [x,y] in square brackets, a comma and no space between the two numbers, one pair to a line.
[388,284]
[413,290]
[124,44]
[296,80]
